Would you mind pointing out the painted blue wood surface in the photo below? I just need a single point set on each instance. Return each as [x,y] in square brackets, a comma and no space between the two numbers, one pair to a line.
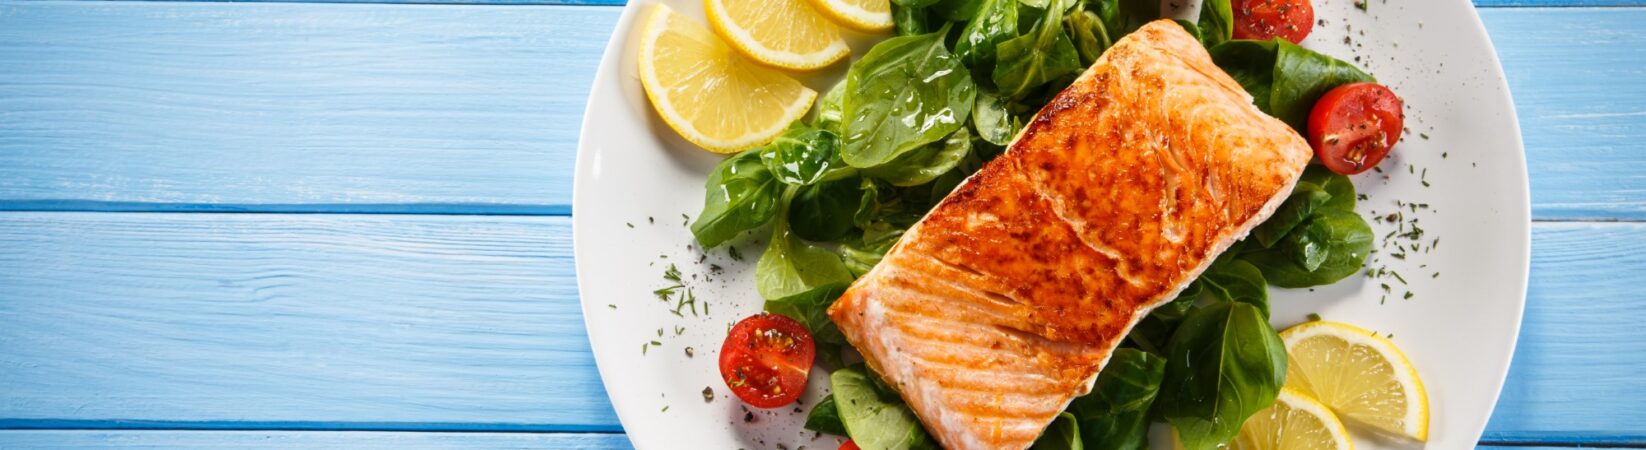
[211,106]
[293,322]
[474,110]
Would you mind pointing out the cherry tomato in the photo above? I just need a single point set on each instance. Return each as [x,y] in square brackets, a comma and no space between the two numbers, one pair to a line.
[1353,126]
[849,445]
[1267,19]
[765,360]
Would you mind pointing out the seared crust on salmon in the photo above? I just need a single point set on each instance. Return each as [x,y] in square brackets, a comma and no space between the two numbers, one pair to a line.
[1002,305]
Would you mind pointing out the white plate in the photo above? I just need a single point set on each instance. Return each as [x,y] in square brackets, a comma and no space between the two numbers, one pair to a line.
[1459,329]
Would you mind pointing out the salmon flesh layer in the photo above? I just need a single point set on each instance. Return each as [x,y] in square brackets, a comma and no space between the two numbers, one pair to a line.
[1000,306]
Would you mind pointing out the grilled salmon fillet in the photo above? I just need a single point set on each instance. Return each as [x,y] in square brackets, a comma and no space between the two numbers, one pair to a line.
[999,307]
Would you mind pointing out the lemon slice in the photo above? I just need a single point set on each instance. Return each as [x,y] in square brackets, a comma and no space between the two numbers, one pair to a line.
[861,15]
[1295,422]
[710,95]
[788,34]
[1361,376]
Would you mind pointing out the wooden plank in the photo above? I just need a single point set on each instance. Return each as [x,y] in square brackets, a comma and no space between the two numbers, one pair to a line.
[205,104]
[1582,349]
[1585,133]
[465,109]
[64,439]
[318,322]
[293,321]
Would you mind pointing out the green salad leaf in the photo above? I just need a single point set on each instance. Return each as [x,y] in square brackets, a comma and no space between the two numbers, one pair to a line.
[863,253]
[927,163]
[875,417]
[911,20]
[825,417]
[1095,25]
[791,266]
[995,23]
[1223,364]
[1032,60]
[1235,280]
[811,308]
[1285,80]
[1330,246]
[823,211]
[1062,434]
[914,3]
[831,111]
[1115,416]
[905,93]
[801,155]
[1216,24]
[994,123]
[741,194]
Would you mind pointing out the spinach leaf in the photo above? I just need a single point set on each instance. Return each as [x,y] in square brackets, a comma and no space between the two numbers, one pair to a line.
[811,308]
[959,10]
[1296,209]
[995,23]
[790,266]
[862,254]
[914,3]
[1301,77]
[1216,22]
[825,417]
[911,20]
[830,111]
[1115,415]
[1235,280]
[1285,80]
[1319,187]
[1062,434]
[906,92]
[927,163]
[801,154]
[875,417]
[1336,185]
[1043,55]
[1129,382]
[1224,363]
[994,124]
[1095,25]
[742,194]
[1330,246]
[823,212]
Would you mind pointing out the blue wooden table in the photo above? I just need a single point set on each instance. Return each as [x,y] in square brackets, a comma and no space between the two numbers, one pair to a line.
[341,224]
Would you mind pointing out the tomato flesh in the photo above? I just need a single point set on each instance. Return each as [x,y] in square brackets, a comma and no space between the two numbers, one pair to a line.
[849,445]
[1353,126]
[765,360]
[1268,19]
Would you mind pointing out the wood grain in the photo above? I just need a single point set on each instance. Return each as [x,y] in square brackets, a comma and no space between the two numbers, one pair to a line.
[461,323]
[474,109]
[1585,138]
[66,439]
[293,321]
[223,106]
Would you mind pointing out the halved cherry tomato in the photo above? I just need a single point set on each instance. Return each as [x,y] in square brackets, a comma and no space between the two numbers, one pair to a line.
[1267,19]
[1353,126]
[765,360]
[849,445]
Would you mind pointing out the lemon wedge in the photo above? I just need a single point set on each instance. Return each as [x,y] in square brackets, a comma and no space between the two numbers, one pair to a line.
[862,15]
[710,95]
[1295,422]
[788,34]
[1361,376]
